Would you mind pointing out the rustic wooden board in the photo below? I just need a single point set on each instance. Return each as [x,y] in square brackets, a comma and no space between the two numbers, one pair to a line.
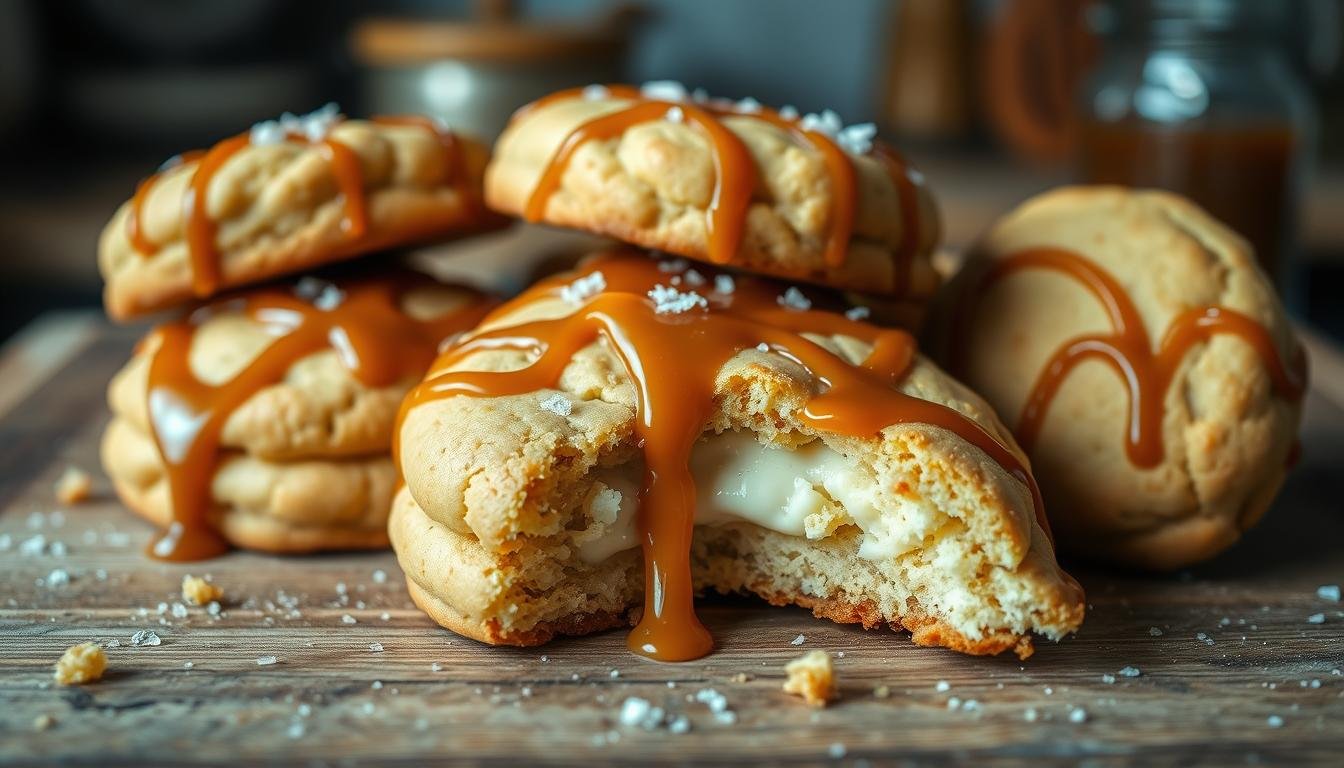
[429,694]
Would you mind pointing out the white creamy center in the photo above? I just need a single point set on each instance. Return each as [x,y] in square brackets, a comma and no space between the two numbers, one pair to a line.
[807,492]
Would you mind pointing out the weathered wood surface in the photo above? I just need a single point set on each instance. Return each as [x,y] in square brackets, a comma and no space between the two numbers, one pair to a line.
[430,695]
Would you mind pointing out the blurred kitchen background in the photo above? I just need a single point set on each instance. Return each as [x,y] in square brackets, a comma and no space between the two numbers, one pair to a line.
[1240,104]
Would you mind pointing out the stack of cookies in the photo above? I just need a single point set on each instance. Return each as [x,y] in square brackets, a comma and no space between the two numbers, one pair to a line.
[262,415]
[728,399]
[718,414]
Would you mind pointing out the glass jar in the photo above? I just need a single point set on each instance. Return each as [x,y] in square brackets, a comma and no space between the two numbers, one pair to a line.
[1198,97]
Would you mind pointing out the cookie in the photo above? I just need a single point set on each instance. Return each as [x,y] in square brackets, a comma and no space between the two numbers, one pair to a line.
[264,420]
[302,505]
[730,183]
[1143,361]
[779,449]
[287,196]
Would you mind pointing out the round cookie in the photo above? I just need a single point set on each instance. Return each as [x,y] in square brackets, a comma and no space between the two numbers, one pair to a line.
[265,419]
[287,196]
[1142,359]
[295,506]
[521,517]
[734,183]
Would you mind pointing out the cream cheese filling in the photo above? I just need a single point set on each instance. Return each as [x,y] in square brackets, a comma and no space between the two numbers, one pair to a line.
[807,492]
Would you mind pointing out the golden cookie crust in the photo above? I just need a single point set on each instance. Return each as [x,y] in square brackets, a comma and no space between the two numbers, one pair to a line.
[319,410]
[279,210]
[306,462]
[1226,435]
[281,507]
[652,185]
[494,489]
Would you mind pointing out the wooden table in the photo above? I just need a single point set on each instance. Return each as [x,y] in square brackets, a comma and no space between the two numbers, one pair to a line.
[1231,669]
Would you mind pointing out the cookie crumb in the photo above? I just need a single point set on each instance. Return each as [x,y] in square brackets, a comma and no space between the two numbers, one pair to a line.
[83,663]
[740,677]
[882,692]
[813,677]
[73,486]
[200,591]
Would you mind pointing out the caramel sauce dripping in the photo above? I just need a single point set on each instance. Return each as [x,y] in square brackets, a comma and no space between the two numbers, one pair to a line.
[373,336]
[675,399]
[200,230]
[1147,374]
[736,175]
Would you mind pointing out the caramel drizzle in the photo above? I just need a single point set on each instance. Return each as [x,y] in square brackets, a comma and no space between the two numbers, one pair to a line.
[736,176]
[371,333]
[1147,374]
[200,230]
[675,399]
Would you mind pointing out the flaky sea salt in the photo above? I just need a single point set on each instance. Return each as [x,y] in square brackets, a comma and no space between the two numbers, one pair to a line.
[1274,721]
[799,640]
[348,619]
[313,126]
[858,313]
[794,299]
[379,576]
[595,92]
[664,90]
[375,647]
[584,288]
[826,121]
[1078,715]
[747,106]
[857,139]
[711,698]
[1316,618]
[1328,592]
[145,637]
[557,404]
[58,578]
[675,115]
[266,661]
[724,284]
[942,686]
[640,713]
[1130,672]
[668,300]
